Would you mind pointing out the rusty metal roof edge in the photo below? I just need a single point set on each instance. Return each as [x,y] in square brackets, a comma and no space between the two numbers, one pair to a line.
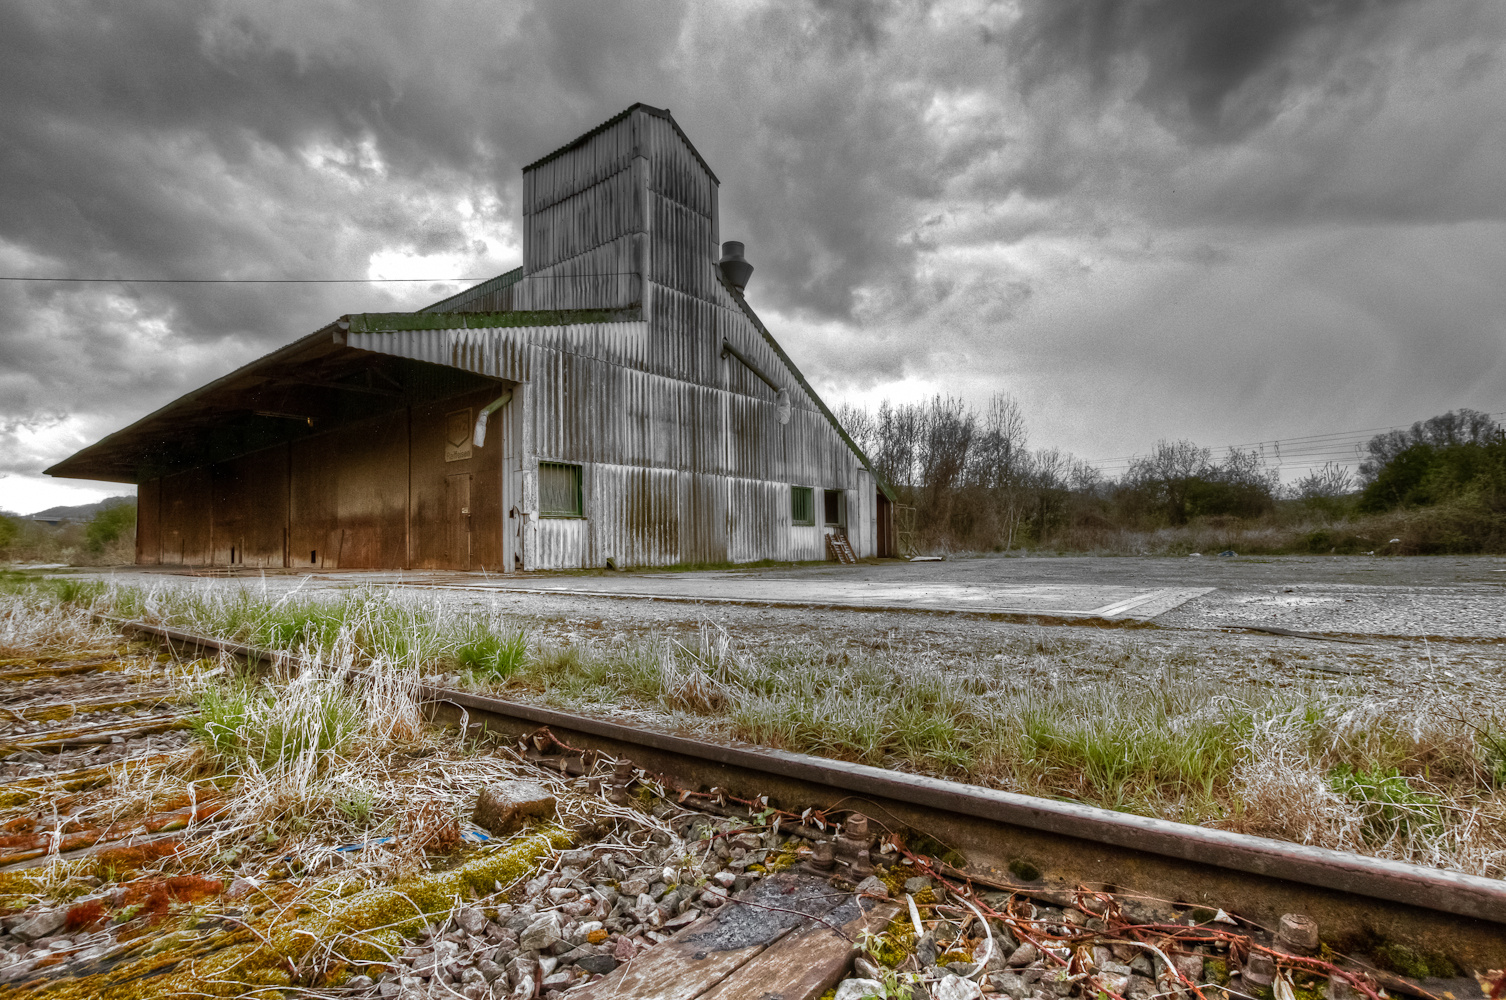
[59,469]
[401,322]
[1378,878]
[619,116]
[800,377]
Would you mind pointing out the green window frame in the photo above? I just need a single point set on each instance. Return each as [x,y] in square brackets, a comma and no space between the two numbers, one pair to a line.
[559,490]
[802,505]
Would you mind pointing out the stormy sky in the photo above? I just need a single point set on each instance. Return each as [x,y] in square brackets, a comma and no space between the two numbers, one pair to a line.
[1227,220]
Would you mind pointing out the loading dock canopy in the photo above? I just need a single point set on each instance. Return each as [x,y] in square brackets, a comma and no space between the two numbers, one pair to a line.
[312,385]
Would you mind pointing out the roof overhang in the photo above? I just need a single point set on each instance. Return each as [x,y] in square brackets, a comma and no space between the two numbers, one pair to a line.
[314,384]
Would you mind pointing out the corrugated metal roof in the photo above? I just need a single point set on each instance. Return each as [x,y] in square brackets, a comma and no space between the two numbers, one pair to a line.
[581,140]
[395,322]
[454,302]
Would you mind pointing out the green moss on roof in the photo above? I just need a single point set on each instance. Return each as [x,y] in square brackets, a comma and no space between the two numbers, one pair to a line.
[395,322]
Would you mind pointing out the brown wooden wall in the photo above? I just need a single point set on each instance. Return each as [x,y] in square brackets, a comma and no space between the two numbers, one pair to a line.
[148,523]
[377,494]
[250,509]
[438,494]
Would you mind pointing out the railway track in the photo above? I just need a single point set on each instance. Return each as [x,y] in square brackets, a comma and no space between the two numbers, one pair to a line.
[1037,848]
[1048,899]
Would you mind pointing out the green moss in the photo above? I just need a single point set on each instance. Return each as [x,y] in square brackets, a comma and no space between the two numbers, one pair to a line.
[240,963]
[891,947]
[1024,870]
[1309,988]
[920,843]
[1416,964]
[1216,970]
[435,893]
[779,860]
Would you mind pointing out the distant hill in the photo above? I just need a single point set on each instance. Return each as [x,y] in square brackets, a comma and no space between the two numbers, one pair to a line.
[82,512]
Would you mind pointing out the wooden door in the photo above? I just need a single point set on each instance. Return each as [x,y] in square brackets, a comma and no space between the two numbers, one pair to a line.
[458,520]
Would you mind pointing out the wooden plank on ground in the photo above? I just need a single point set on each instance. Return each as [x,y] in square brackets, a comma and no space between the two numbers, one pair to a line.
[740,932]
[806,962]
[674,970]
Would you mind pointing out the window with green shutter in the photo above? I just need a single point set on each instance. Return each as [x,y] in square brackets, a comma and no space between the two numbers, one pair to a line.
[802,505]
[559,490]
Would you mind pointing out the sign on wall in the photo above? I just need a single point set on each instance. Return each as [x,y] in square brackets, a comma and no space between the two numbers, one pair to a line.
[457,436]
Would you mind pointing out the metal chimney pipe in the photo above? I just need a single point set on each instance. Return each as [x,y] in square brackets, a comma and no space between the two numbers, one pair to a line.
[734,267]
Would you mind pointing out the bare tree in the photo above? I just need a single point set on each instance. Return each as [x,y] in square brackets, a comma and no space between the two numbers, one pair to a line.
[943,459]
[1167,473]
[999,466]
[860,426]
[1330,482]
[899,429]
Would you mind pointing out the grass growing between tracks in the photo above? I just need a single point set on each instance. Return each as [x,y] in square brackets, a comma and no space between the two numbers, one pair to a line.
[1113,721]
[286,769]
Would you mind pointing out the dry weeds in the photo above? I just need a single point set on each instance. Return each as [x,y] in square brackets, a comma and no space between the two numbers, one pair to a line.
[1123,723]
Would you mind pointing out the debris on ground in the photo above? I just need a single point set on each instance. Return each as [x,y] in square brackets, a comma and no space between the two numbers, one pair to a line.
[142,858]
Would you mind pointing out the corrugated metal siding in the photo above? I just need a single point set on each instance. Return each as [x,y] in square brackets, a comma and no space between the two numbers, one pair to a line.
[683,458]
[584,242]
[675,172]
[607,276]
[682,241]
[583,220]
[509,352]
[710,467]
[597,158]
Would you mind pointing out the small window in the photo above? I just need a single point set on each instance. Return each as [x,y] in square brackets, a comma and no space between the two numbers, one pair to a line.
[833,504]
[559,490]
[802,505]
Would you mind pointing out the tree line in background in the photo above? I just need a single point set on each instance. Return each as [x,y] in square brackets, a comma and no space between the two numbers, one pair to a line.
[974,484]
[106,537]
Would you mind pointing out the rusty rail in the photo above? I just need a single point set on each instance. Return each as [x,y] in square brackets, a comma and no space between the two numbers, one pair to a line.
[1039,845]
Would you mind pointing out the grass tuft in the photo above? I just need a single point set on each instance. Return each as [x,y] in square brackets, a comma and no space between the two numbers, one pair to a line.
[490,655]
[311,717]
[1391,809]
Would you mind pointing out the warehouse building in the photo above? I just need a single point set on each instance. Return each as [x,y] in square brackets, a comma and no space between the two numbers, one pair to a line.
[614,401]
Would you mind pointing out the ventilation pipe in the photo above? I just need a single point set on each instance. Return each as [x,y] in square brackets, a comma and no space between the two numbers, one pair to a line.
[478,436]
[734,267]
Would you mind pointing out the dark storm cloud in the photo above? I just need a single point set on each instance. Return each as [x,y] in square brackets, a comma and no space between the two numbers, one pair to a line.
[1216,69]
[941,182]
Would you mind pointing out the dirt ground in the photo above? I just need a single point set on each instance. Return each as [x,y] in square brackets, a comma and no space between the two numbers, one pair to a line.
[1397,626]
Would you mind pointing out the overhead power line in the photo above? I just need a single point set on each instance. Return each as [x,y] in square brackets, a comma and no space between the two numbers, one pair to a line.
[229,281]
[293,281]
[1308,451]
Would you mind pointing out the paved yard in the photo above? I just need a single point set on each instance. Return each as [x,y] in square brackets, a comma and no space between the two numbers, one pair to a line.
[1437,597]
[1418,627]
